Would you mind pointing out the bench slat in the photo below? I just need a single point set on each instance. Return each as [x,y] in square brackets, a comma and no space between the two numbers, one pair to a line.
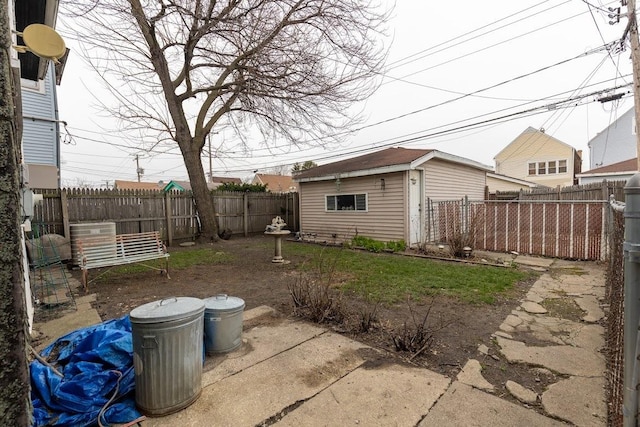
[126,249]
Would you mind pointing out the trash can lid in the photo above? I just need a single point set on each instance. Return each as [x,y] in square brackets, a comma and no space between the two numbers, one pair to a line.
[223,302]
[166,310]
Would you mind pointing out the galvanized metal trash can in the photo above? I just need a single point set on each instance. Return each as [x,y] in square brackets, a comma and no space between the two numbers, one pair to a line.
[222,323]
[167,354]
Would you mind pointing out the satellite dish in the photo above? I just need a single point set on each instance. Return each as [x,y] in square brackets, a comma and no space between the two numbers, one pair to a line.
[43,41]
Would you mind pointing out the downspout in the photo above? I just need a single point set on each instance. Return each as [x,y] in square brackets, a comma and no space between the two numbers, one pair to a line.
[57,121]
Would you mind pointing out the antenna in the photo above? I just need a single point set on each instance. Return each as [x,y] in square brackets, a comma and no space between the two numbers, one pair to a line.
[43,41]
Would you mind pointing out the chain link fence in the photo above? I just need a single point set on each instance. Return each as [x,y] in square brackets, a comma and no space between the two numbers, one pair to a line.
[561,229]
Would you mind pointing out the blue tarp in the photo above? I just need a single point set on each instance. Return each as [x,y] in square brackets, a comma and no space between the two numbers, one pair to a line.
[94,361]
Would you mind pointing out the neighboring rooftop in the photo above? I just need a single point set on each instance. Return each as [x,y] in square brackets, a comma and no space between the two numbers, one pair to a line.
[135,185]
[276,183]
[630,165]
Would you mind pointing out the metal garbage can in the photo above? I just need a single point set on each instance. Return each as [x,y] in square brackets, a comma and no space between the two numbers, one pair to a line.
[167,354]
[222,323]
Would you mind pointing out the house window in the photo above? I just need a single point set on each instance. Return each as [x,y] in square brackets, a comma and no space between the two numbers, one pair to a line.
[562,166]
[346,202]
[542,168]
[551,167]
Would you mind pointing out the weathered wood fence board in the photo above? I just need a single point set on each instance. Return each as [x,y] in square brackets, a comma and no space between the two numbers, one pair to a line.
[173,214]
[594,191]
[563,229]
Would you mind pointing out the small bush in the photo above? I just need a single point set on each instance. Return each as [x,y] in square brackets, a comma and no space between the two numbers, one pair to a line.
[377,246]
[397,246]
[312,294]
[368,317]
[316,301]
[416,337]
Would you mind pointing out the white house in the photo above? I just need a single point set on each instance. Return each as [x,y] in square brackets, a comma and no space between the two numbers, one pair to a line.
[616,143]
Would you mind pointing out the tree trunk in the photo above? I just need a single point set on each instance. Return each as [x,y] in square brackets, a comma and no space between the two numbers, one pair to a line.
[201,193]
[15,404]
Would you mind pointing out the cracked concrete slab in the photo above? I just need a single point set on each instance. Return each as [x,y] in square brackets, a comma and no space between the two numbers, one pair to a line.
[577,400]
[393,395]
[471,374]
[275,383]
[533,307]
[463,405]
[521,393]
[590,305]
[259,343]
[558,358]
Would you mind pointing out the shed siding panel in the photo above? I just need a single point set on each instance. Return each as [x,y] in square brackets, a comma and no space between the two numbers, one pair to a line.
[385,218]
[448,181]
[40,136]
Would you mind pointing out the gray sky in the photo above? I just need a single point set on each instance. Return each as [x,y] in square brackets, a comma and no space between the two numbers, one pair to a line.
[450,67]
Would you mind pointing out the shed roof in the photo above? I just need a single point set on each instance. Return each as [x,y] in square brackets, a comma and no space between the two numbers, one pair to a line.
[384,161]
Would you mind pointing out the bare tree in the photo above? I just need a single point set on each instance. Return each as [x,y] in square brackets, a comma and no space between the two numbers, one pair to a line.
[180,68]
[15,402]
[299,167]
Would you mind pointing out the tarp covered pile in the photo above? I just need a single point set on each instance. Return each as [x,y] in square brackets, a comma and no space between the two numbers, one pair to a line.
[98,378]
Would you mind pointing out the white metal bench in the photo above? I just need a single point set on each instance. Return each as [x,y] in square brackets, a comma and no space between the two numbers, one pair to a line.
[126,249]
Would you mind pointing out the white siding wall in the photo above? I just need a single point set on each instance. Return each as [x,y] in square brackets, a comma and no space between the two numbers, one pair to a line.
[447,181]
[40,138]
[614,144]
[385,218]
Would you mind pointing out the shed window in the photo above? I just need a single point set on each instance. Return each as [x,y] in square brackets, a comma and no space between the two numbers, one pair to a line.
[347,202]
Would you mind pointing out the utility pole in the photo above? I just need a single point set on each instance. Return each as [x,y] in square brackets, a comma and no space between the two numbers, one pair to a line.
[632,32]
[139,170]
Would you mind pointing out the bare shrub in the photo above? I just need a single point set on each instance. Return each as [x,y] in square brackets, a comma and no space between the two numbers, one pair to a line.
[417,336]
[368,317]
[313,296]
[463,236]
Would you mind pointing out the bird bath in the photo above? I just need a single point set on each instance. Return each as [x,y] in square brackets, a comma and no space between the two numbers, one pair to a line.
[275,230]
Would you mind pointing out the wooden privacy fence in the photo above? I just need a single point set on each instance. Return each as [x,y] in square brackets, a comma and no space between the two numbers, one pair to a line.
[173,214]
[593,191]
[563,229]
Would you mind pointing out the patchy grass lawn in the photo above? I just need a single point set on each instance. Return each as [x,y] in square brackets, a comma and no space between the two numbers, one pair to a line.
[391,278]
[387,278]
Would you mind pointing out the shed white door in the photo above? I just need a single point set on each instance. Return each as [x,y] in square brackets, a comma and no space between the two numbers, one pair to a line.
[415,207]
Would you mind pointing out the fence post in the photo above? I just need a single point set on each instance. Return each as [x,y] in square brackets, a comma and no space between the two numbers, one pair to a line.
[245,213]
[64,209]
[168,218]
[631,298]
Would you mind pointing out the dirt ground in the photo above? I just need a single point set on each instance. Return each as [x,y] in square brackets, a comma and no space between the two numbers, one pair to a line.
[458,327]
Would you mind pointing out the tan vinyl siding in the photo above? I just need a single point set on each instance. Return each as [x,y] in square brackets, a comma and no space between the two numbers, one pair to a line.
[535,147]
[504,185]
[447,181]
[384,219]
